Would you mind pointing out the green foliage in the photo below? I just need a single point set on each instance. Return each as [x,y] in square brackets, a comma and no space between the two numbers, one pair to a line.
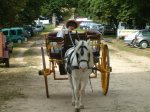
[9,11]
[17,12]
[48,28]
[59,7]
[134,12]
[31,11]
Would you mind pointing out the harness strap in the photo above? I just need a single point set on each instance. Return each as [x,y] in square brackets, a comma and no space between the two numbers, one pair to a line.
[71,40]
[69,62]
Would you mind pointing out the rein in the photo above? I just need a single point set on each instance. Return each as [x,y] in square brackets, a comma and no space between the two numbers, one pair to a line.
[82,53]
[71,40]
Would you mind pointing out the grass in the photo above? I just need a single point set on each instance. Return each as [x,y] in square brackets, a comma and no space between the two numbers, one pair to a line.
[10,94]
[110,36]
[48,28]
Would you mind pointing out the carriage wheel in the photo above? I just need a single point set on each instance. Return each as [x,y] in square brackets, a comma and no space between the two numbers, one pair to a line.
[105,69]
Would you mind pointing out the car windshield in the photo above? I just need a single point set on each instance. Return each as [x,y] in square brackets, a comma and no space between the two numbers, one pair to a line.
[38,26]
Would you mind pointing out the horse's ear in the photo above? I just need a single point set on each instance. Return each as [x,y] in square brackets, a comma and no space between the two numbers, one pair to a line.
[76,41]
[88,41]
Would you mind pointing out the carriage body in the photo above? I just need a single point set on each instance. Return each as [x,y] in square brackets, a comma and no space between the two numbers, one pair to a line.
[56,47]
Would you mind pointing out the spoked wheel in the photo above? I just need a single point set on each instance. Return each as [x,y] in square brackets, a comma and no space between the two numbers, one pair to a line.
[105,69]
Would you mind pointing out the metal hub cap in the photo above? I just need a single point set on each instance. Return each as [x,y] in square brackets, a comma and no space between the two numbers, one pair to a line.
[144,45]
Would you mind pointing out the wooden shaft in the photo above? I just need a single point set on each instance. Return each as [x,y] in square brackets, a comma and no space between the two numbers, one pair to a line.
[45,77]
[43,58]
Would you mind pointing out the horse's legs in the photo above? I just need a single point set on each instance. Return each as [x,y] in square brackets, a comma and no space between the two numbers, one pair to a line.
[71,83]
[84,82]
[76,87]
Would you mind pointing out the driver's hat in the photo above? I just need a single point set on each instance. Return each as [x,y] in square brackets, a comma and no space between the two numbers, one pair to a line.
[71,23]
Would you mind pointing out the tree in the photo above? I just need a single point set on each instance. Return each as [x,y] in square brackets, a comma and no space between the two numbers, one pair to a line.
[134,12]
[59,7]
[9,11]
[18,12]
[31,11]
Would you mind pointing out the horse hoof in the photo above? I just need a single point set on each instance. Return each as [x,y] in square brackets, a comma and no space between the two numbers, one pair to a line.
[77,110]
[73,103]
[81,106]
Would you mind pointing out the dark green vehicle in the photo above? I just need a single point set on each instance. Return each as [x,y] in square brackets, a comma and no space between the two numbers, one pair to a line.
[14,34]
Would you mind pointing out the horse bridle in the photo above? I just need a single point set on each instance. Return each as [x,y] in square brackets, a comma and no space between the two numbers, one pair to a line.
[82,53]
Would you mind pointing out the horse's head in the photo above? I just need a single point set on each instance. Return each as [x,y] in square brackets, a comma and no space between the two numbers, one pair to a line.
[84,54]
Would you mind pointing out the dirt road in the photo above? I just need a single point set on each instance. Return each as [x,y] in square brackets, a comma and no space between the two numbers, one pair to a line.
[129,88]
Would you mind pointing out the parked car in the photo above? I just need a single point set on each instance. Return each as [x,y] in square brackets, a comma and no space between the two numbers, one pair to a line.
[14,34]
[98,27]
[85,24]
[38,28]
[108,29]
[142,39]
[26,33]
[29,29]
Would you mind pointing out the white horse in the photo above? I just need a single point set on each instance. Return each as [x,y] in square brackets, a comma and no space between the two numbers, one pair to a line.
[79,61]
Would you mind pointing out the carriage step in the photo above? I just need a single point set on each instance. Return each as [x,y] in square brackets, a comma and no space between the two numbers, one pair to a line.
[45,72]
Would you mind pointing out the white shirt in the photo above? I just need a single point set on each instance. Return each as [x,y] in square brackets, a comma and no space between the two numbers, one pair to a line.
[62,32]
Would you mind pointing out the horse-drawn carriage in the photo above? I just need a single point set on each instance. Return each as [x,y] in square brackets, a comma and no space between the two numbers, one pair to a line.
[57,47]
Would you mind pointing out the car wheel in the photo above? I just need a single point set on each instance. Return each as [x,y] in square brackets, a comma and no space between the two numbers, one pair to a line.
[11,50]
[143,44]
[19,41]
[7,62]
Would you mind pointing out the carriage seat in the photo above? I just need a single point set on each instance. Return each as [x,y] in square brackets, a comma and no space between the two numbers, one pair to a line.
[53,45]
[52,35]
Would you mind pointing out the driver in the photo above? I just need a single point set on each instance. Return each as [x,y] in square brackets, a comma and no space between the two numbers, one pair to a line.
[70,26]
